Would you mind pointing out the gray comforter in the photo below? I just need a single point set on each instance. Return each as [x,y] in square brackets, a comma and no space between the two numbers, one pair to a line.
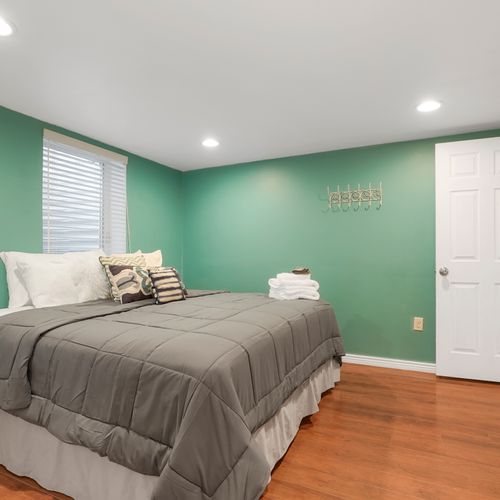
[172,390]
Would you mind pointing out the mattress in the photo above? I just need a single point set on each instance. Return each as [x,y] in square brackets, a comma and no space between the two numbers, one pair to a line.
[176,391]
[12,310]
[29,450]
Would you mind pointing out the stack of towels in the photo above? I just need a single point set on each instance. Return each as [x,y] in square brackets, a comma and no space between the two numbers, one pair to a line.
[290,286]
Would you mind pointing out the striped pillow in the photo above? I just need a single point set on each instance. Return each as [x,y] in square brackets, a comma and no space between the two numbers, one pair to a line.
[167,285]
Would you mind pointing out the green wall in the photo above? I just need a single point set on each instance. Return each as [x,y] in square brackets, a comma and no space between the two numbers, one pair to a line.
[234,227]
[154,194]
[244,224]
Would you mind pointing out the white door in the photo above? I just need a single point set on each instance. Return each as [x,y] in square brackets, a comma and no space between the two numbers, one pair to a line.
[468,259]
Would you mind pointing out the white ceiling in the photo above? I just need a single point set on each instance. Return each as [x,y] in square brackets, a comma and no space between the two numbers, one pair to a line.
[268,78]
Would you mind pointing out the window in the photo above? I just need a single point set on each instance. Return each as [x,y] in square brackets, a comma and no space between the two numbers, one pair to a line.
[84,197]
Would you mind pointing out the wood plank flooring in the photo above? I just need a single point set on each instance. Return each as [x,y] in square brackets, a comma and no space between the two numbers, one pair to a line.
[380,434]
[23,488]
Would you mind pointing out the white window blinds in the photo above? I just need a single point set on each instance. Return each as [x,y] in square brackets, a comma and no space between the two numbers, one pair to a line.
[84,197]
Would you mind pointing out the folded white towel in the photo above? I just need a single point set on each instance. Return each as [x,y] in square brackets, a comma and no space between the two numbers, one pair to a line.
[292,277]
[290,286]
[299,294]
[293,284]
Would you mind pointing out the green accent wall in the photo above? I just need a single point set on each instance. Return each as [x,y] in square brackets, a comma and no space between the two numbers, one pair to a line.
[154,194]
[235,227]
[243,224]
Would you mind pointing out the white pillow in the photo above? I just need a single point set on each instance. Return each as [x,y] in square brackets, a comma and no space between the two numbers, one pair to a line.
[93,284]
[153,259]
[18,295]
[50,283]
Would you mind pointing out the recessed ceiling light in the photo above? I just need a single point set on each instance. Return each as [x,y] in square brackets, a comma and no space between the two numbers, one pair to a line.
[210,142]
[6,29]
[427,106]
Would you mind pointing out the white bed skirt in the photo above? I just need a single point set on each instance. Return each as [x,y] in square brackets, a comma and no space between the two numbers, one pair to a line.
[30,450]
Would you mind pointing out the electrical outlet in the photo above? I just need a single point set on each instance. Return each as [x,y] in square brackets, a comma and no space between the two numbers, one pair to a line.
[418,324]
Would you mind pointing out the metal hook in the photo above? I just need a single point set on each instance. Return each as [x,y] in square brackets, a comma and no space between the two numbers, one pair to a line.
[354,198]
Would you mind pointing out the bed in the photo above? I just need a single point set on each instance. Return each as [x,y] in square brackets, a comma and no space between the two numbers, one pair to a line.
[191,400]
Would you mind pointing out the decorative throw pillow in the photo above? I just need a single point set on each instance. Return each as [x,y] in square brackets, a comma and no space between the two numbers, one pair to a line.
[136,259]
[126,255]
[167,285]
[130,283]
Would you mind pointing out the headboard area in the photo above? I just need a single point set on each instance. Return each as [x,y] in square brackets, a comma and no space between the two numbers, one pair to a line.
[154,194]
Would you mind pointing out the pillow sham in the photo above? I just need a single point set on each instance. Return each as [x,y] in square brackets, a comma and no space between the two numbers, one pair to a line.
[50,283]
[129,283]
[136,259]
[93,284]
[153,259]
[18,295]
[167,285]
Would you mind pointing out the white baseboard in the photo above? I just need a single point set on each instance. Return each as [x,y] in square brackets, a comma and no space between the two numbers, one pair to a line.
[400,364]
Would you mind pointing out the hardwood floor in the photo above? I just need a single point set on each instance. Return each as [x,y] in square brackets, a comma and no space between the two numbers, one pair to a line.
[22,488]
[381,434]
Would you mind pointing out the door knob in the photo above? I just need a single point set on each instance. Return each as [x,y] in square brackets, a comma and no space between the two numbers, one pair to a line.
[444,271]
